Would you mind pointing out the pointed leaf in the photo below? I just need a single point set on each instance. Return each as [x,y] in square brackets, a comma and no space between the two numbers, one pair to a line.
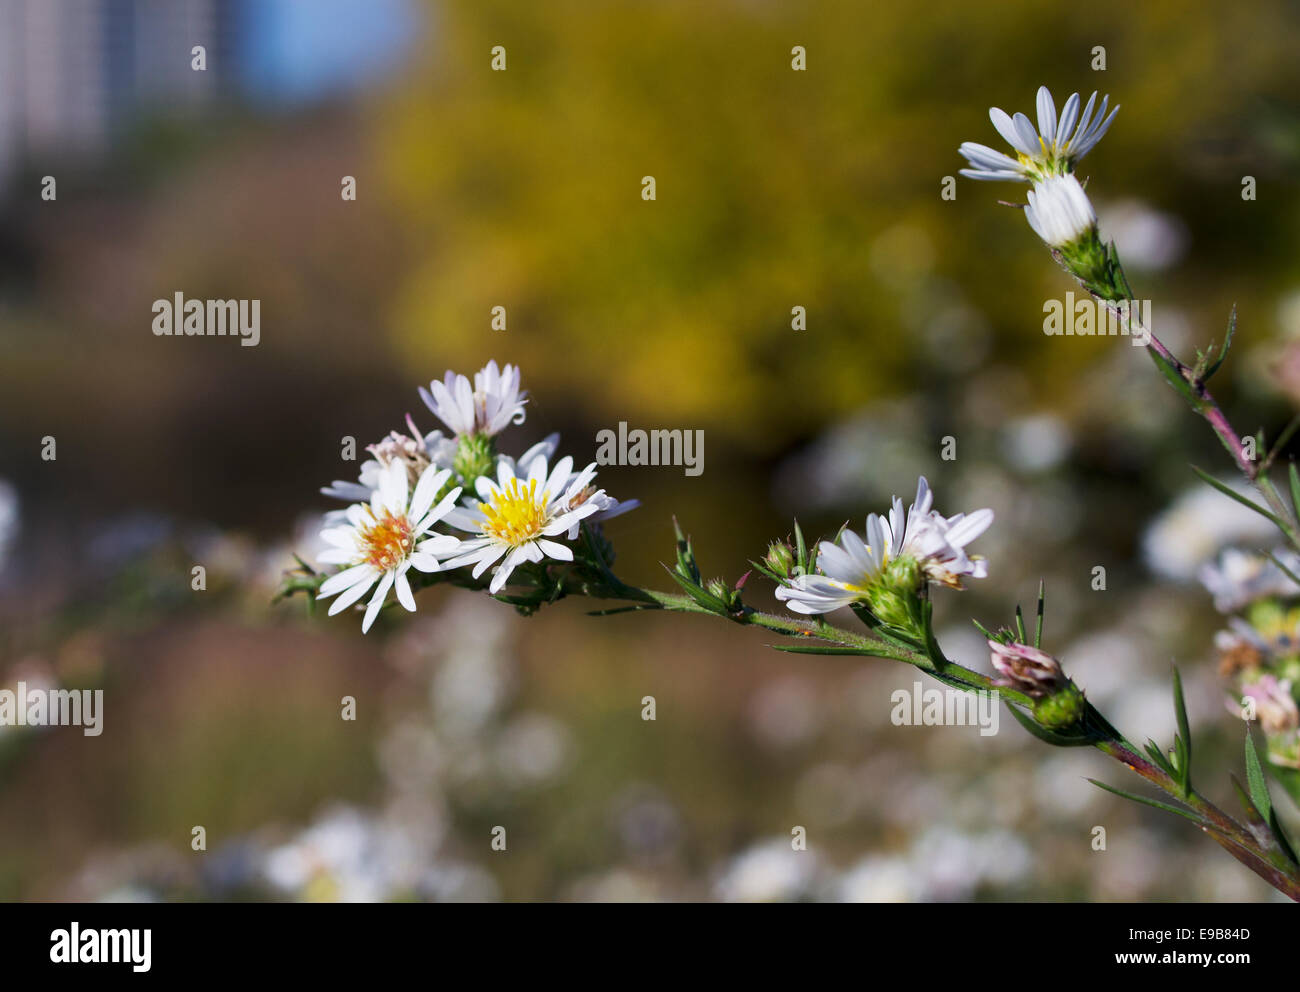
[800,547]
[1227,343]
[1244,501]
[1183,739]
[1255,778]
[1285,571]
[1038,625]
[820,649]
[1175,378]
[1186,814]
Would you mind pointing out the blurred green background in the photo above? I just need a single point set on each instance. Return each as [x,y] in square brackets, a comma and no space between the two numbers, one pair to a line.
[522,189]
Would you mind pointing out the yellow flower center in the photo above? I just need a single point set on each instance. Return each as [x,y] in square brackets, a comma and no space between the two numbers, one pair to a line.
[515,515]
[387,542]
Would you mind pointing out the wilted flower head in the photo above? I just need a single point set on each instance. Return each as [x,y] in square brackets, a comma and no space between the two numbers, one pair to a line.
[1052,149]
[1239,578]
[900,551]
[492,404]
[1060,212]
[414,450]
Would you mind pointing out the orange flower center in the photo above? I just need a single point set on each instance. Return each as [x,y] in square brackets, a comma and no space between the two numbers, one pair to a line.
[387,542]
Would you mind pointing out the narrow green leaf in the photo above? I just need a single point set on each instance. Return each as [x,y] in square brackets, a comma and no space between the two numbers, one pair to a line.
[1295,487]
[1232,493]
[1227,343]
[1287,433]
[800,547]
[1175,379]
[1255,779]
[1285,571]
[697,592]
[1038,624]
[1168,808]
[1157,755]
[611,611]
[1020,625]
[820,649]
[1183,739]
[983,630]
[1255,821]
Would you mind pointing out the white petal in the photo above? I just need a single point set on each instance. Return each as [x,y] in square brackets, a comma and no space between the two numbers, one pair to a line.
[376,601]
[353,594]
[404,594]
[560,552]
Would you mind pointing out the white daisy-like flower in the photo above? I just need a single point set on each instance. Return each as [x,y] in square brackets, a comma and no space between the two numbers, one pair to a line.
[1239,578]
[519,513]
[1052,149]
[386,537]
[492,404]
[1060,212]
[847,571]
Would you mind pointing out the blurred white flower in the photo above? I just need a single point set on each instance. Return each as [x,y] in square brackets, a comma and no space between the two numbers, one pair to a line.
[879,879]
[8,520]
[1239,578]
[1147,239]
[769,872]
[1196,526]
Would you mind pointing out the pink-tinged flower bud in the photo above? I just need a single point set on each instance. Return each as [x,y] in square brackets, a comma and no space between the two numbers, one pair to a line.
[1275,707]
[1058,703]
[1029,670]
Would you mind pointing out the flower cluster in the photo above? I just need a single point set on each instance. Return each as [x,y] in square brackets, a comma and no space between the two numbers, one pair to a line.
[434,502]
[1259,652]
[900,555]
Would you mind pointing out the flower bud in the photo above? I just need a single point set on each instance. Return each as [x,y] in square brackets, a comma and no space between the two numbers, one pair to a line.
[780,558]
[1058,703]
[895,596]
[475,456]
[1060,212]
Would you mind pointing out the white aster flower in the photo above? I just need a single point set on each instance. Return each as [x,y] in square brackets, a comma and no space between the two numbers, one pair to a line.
[386,537]
[1052,149]
[607,507]
[1239,578]
[519,513]
[847,571]
[1060,212]
[491,405]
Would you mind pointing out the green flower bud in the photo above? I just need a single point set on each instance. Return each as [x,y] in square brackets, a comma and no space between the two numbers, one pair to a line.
[893,598]
[1061,710]
[475,456]
[780,558]
[1058,702]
